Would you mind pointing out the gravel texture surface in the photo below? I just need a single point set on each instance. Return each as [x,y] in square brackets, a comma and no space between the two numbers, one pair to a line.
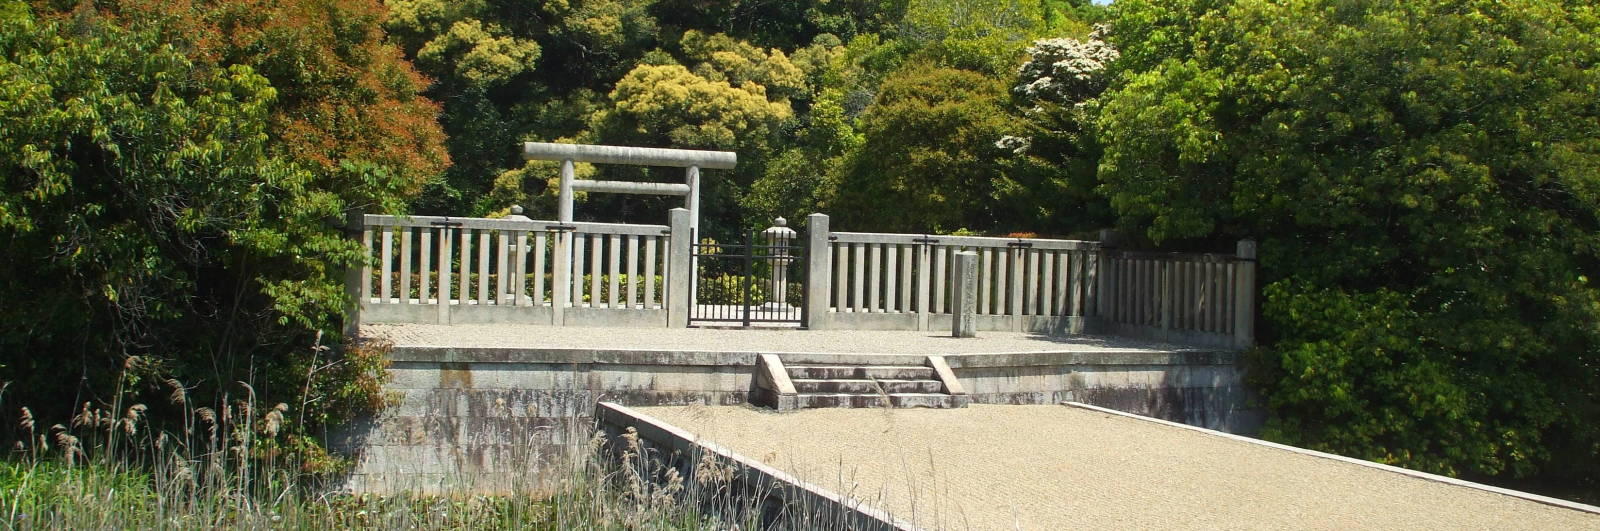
[758,340]
[1055,467]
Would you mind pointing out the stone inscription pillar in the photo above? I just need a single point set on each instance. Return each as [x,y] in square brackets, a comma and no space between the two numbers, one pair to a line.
[964,277]
[819,272]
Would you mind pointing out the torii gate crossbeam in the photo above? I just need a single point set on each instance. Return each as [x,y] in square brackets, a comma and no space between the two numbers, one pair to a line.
[692,160]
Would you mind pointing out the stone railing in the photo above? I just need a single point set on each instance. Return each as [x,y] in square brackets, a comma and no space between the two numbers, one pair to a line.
[1206,299]
[886,281]
[517,270]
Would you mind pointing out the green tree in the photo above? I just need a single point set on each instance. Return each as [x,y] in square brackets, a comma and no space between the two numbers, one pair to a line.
[508,72]
[786,25]
[168,205]
[1049,178]
[670,105]
[1148,33]
[1422,176]
[928,149]
[985,36]
[722,58]
[731,96]
[479,53]
[1072,17]
[1006,189]
[796,182]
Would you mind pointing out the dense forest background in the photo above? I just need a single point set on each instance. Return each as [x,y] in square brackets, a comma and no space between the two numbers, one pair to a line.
[842,106]
[1423,177]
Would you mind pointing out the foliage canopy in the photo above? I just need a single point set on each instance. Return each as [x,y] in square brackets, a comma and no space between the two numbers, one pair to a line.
[1423,179]
[175,180]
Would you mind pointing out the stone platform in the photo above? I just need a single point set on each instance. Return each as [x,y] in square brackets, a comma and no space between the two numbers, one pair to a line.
[476,403]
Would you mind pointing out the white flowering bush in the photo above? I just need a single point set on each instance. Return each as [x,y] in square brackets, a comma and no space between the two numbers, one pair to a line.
[1065,70]
[1050,152]
[1017,145]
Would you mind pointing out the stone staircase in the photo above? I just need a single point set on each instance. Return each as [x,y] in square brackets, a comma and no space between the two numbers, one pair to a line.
[810,385]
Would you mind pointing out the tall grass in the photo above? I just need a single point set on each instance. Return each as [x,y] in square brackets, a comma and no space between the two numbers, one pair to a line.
[222,467]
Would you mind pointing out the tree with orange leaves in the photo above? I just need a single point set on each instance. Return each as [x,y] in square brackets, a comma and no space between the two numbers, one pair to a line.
[345,95]
[174,180]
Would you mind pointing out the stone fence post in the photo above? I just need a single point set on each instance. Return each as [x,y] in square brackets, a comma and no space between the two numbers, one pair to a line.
[357,276]
[517,270]
[561,276]
[819,272]
[1244,285]
[1105,281]
[679,273]
[964,295]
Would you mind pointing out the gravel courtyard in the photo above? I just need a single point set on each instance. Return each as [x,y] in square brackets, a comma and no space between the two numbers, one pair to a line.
[1055,467]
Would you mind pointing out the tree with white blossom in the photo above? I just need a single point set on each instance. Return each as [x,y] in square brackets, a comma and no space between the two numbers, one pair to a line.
[1066,71]
[1050,173]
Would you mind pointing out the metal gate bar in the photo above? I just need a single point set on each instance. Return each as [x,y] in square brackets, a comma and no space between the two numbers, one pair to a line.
[751,286]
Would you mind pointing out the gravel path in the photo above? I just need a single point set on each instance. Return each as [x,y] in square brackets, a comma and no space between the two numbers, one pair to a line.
[759,340]
[1054,467]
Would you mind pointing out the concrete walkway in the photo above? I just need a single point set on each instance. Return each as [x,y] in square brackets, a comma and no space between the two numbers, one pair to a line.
[755,340]
[1059,467]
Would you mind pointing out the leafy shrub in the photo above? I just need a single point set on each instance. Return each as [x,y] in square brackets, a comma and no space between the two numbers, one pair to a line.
[415,287]
[178,178]
[729,289]
[622,284]
[1421,177]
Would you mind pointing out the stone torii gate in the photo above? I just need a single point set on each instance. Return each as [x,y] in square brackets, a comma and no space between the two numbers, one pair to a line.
[692,160]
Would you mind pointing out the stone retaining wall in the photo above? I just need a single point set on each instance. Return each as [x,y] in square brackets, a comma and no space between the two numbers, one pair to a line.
[489,420]
[1203,389]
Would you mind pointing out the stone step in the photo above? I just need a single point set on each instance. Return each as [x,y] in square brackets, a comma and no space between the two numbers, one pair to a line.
[901,400]
[865,372]
[853,386]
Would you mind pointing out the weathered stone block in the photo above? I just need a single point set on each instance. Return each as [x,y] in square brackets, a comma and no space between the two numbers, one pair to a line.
[964,277]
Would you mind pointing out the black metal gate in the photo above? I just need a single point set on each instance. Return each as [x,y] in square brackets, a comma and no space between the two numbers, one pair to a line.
[760,281]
